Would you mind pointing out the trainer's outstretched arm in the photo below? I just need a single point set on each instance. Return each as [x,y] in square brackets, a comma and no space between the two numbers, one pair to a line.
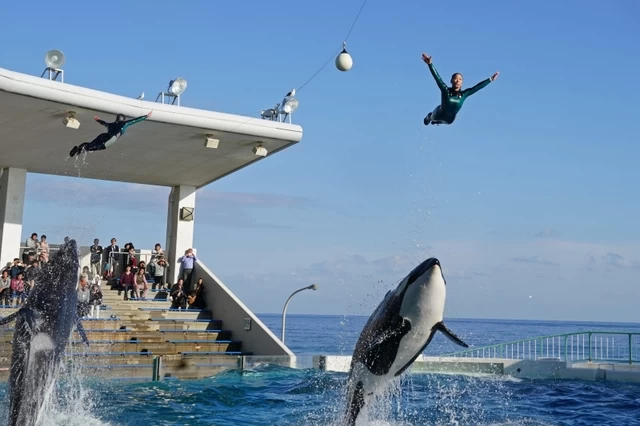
[138,119]
[481,85]
[104,123]
[434,73]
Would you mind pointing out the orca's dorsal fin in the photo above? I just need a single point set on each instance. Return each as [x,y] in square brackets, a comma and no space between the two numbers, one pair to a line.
[8,319]
[441,327]
[81,331]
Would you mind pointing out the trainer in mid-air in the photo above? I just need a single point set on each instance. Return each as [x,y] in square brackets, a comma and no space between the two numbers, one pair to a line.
[105,140]
[452,97]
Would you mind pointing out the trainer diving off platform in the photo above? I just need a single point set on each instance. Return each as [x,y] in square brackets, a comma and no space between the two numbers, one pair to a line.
[105,140]
[452,98]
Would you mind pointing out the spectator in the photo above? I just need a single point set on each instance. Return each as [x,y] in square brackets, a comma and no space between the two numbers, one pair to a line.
[17,290]
[156,253]
[96,258]
[95,301]
[187,262]
[16,268]
[131,259]
[141,285]
[196,298]
[127,281]
[30,276]
[178,296]
[5,288]
[83,297]
[44,250]
[126,253]
[86,271]
[111,261]
[158,272]
[32,249]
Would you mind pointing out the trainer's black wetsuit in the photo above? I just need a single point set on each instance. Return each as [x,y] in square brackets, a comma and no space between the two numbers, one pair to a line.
[105,140]
[451,100]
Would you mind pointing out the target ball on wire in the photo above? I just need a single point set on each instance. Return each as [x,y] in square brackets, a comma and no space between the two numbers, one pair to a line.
[344,61]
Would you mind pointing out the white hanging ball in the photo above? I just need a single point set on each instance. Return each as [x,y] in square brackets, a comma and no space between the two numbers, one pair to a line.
[344,61]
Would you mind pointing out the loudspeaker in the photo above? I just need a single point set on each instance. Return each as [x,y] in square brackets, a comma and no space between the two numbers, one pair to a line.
[54,59]
[186,213]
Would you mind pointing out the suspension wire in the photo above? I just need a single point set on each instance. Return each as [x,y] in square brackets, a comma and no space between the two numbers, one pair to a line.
[355,20]
[321,68]
[353,24]
[338,50]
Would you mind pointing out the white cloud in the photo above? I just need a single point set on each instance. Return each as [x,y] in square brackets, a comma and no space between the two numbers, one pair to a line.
[614,259]
[224,209]
[563,278]
[534,259]
[546,233]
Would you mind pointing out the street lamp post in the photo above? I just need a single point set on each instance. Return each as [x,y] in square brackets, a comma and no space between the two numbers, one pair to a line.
[284,311]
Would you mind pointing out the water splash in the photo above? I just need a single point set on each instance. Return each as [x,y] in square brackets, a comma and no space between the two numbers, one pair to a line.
[72,402]
[272,394]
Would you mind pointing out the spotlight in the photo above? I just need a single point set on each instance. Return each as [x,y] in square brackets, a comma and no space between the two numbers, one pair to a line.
[54,59]
[211,142]
[288,105]
[260,151]
[176,88]
[70,121]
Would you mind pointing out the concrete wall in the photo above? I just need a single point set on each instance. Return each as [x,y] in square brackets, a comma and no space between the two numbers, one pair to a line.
[12,184]
[224,305]
[179,232]
[540,369]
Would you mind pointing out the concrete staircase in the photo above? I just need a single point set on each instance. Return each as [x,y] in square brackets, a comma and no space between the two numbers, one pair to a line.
[131,334]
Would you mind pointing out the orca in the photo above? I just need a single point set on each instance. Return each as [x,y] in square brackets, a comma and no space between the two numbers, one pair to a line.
[397,332]
[43,327]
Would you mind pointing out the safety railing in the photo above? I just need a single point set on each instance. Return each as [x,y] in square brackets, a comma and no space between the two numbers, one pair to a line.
[609,346]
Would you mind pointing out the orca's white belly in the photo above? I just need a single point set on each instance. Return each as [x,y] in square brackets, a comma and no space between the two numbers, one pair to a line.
[423,307]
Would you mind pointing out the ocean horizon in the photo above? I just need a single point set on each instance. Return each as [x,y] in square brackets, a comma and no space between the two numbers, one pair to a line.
[312,334]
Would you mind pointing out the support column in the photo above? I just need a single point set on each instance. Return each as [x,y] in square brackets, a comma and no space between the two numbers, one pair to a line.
[180,225]
[12,192]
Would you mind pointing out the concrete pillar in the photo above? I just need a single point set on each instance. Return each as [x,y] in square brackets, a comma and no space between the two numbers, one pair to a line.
[12,193]
[180,224]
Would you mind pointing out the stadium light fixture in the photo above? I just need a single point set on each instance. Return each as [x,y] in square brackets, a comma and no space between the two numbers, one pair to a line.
[176,88]
[283,110]
[54,59]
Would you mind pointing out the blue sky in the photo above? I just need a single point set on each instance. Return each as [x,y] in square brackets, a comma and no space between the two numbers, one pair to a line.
[532,192]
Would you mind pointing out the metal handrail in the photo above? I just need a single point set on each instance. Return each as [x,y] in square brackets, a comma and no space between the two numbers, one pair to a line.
[609,346]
